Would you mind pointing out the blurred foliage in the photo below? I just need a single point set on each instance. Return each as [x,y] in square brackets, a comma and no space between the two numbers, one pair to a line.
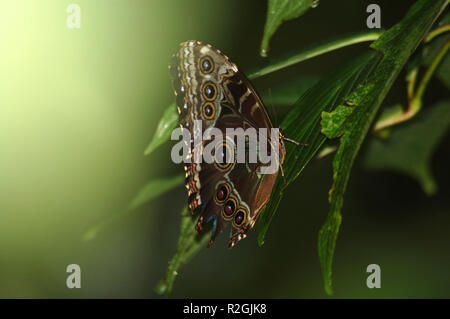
[285,94]
[409,147]
[341,105]
[154,188]
[396,45]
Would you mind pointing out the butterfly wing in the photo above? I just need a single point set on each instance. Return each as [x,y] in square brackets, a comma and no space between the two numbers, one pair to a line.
[210,89]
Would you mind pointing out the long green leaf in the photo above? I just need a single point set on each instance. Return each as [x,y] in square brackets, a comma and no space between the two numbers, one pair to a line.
[396,44]
[314,51]
[279,11]
[287,93]
[303,124]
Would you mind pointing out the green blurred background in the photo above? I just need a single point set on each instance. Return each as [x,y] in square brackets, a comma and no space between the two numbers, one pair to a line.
[79,106]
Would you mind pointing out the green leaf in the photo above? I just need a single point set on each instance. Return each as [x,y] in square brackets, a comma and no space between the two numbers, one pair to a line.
[189,242]
[279,11]
[409,147]
[333,123]
[166,125]
[151,190]
[396,44]
[314,51]
[303,124]
[285,94]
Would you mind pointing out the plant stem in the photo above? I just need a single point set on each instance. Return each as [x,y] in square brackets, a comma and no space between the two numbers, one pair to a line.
[415,98]
[412,82]
[316,51]
[436,32]
[429,73]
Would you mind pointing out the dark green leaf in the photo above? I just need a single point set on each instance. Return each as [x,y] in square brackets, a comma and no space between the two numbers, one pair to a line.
[409,147]
[285,94]
[314,51]
[165,127]
[303,124]
[279,11]
[189,243]
[396,44]
[151,190]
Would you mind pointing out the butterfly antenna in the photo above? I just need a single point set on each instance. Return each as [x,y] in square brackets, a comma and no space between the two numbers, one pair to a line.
[295,142]
[282,174]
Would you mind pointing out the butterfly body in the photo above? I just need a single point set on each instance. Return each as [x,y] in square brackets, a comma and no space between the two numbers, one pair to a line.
[210,88]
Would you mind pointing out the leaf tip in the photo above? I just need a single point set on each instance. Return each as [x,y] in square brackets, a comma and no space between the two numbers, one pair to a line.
[329,289]
[264,52]
[90,234]
[149,149]
[154,144]
[161,288]
[260,239]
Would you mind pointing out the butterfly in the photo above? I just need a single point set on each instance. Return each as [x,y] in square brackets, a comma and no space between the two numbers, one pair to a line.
[211,89]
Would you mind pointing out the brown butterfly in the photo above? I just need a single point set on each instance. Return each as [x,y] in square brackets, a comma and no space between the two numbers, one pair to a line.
[210,88]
